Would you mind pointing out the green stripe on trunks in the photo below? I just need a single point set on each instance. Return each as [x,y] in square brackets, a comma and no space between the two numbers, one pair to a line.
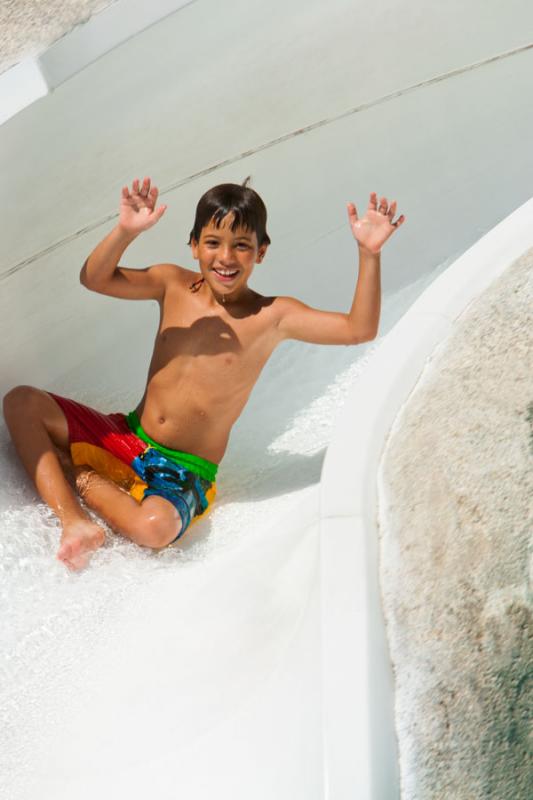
[205,469]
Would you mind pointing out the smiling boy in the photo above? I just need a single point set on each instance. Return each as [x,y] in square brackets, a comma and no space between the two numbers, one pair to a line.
[151,473]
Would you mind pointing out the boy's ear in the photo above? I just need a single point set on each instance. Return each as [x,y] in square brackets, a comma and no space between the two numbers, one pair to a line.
[261,253]
[194,248]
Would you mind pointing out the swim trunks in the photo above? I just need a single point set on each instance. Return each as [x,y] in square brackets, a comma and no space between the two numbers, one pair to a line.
[116,446]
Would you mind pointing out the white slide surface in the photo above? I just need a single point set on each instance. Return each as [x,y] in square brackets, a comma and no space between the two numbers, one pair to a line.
[215,668]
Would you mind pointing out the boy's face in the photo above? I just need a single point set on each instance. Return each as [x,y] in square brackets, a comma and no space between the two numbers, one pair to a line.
[227,257]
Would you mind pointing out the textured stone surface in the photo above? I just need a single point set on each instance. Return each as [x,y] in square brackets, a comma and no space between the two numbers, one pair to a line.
[29,27]
[456,523]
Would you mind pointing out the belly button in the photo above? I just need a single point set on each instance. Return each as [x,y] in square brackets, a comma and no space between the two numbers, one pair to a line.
[161,420]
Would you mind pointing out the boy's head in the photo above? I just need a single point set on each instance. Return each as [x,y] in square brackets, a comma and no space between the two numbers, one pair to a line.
[229,237]
[243,203]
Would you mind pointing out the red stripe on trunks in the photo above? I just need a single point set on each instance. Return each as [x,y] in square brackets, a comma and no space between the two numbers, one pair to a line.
[109,431]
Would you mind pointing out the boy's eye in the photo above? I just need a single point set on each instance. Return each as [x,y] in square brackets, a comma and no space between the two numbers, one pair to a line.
[214,243]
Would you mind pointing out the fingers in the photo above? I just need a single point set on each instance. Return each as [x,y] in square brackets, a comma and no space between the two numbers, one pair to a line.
[386,209]
[142,195]
[392,212]
[352,212]
[383,205]
[144,189]
[139,207]
[399,221]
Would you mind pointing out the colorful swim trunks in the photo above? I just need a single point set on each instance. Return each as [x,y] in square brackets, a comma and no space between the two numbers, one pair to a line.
[116,446]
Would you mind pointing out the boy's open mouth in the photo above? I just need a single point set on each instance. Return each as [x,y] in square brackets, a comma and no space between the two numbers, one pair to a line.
[226,275]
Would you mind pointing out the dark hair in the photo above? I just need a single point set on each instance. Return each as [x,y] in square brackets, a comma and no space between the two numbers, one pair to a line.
[244,203]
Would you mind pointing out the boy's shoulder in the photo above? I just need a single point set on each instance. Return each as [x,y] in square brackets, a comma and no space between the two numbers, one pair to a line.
[278,308]
[279,305]
[175,271]
[283,304]
[176,275]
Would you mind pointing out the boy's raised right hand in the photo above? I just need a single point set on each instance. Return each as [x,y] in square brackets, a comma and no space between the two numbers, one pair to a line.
[137,209]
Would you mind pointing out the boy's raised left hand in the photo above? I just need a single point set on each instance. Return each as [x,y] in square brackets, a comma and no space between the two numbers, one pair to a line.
[372,231]
[138,210]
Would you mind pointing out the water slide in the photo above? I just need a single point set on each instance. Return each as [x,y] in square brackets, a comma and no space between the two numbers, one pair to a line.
[251,660]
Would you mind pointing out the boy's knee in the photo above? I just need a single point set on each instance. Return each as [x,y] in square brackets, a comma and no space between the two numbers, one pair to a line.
[159,527]
[17,398]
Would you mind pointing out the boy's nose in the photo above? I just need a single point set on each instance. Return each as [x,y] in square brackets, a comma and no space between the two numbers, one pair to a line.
[225,256]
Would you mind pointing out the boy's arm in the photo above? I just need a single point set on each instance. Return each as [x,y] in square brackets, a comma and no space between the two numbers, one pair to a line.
[101,272]
[299,321]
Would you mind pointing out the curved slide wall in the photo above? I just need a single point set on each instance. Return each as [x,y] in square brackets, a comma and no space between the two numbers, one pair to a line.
[351,491]
[223,665]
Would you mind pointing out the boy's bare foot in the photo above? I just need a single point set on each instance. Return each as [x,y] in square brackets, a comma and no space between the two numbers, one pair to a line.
[80,538]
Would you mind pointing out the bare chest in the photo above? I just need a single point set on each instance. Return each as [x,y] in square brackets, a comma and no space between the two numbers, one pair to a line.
[213,347]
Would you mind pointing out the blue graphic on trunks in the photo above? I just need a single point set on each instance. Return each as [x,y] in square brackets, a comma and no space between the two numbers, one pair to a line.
[183,488]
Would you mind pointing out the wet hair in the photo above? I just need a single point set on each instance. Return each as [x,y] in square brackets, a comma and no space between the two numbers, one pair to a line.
[244,203]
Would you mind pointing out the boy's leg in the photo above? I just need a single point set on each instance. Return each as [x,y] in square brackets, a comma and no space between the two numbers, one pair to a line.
[154,523]
[36,424]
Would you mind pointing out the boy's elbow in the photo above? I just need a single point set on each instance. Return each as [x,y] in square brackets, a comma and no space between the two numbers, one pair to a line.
[83,274]
[361,338]
[84,279]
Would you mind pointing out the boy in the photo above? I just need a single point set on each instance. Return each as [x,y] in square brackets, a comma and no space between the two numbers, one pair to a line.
[151,473]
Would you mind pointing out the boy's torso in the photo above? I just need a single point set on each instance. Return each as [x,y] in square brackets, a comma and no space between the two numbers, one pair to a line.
[205,363]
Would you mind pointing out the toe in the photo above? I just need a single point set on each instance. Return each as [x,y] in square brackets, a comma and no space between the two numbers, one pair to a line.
[64,551]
